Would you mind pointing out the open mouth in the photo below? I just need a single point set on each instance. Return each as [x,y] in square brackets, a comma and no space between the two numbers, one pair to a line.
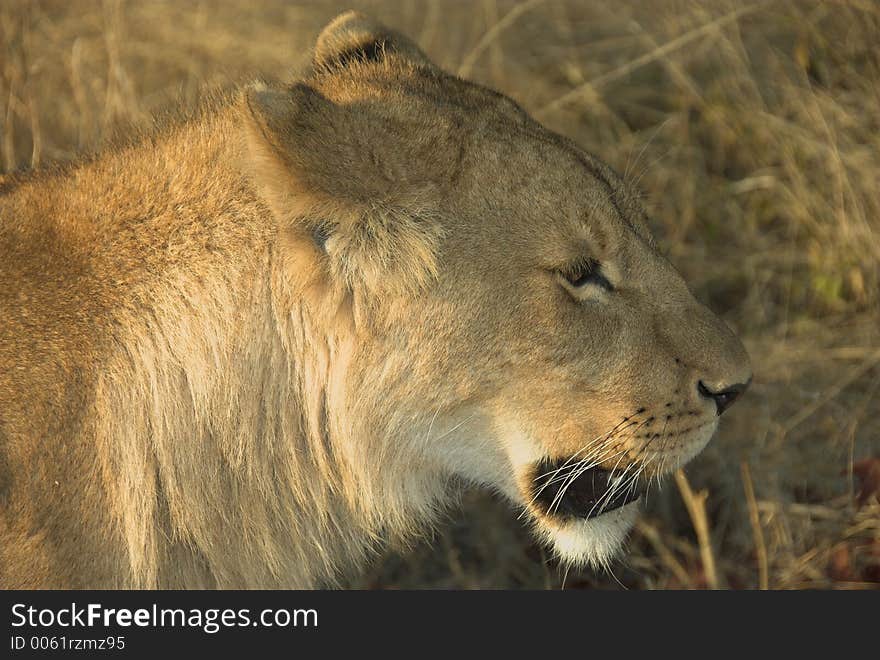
[560,489]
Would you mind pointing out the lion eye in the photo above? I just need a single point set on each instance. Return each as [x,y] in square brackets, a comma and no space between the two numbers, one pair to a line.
[587,272]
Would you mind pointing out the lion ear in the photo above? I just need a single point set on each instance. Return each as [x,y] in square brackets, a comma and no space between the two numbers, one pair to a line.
[341,174]
[299,142]
[308,151]
[353,37]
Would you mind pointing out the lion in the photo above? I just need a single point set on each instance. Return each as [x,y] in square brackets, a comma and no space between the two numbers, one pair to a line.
[251,346]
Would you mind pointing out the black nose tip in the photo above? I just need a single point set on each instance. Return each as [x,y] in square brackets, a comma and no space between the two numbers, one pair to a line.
[724,398]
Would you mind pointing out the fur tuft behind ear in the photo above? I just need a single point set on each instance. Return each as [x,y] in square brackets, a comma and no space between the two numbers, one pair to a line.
[392,250]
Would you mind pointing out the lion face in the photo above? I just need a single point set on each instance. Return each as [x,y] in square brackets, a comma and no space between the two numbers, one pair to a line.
[595,368]
[492,303]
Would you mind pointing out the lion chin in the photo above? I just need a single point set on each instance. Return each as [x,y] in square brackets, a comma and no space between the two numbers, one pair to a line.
[593,542]
[585,520]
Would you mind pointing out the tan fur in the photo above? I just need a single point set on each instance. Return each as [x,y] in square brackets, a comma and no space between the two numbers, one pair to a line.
[246,348]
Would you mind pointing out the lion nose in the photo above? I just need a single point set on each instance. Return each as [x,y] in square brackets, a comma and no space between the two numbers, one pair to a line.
[723,398]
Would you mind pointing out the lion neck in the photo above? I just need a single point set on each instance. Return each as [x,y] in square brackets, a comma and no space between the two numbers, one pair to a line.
[225,428]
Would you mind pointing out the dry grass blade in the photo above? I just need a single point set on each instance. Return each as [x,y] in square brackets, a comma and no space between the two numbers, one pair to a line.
[848,379]
[651,533]
[647,58]
[493,33]
[755,520]
[696,506]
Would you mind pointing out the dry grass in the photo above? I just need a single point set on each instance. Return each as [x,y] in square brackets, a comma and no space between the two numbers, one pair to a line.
[754,131]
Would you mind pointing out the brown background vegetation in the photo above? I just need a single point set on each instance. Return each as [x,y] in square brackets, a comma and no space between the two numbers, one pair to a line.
[754,132]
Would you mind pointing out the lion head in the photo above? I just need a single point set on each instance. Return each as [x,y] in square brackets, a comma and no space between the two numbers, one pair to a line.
[482,296]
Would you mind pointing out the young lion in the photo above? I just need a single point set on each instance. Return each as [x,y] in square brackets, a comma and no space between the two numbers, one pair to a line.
[241,350]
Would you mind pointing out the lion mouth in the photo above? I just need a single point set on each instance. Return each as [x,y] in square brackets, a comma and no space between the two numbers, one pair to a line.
[560,491]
